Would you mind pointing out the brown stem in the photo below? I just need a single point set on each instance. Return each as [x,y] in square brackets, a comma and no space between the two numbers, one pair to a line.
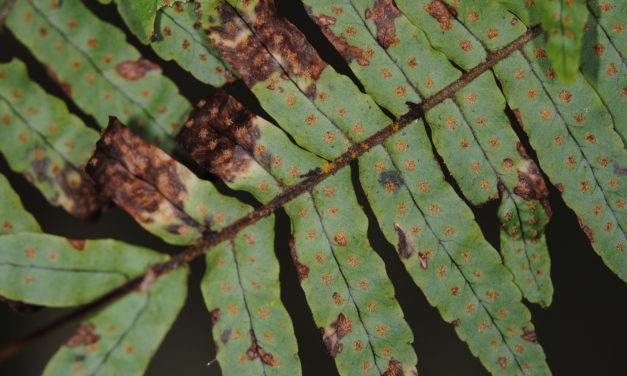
[290,193]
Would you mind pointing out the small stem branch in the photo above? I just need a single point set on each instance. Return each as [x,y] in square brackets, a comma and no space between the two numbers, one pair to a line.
[205,244]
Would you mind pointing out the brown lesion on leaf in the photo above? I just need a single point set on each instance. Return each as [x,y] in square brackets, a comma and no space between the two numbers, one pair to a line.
[519,118]
[84,336]
[65,87]
[214,314]
[395,368]
[74,182]
[503,361]
[348,52]
[384,13]
[135,70]
[531,184]
[225,335]
[587,230]
[334,332]
[255,351]
[283,39]
[442,12]
[405,246]
[239,47]
[529,335]
[391,180]
[81,198]
[301,269]
[220,135]
[252,53]
[78,245]
[139,177]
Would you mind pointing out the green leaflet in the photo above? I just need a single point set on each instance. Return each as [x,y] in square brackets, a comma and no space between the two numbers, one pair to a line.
[576,147]
[174,34]
[125,335]
[40,139]
[344,281]
[563,21]
[53,271]
[242,293]
[571,129]
[13,217]
[467,130]
[95,66]
[171,202]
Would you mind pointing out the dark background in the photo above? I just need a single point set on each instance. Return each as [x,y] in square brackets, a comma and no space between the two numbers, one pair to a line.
[583,332]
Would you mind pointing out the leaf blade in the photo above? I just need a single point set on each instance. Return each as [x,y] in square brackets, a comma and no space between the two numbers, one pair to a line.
[43,141]
[53,271]
[248,319]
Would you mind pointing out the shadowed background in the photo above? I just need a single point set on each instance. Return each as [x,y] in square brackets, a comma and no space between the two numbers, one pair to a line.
[583,332]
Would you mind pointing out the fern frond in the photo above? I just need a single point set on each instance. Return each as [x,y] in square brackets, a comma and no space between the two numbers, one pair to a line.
[333,100]
[53,271]
[41,140]
[96,67]
[485,157]
[169,201]
[125,335]
[241,290]
[351,298]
